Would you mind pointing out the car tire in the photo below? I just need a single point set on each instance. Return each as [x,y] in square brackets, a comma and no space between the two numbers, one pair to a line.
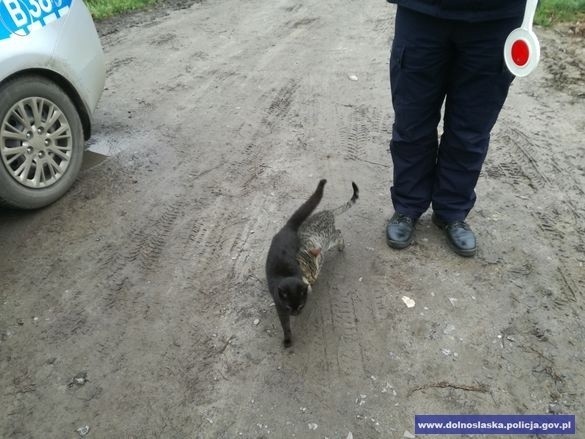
[40,150]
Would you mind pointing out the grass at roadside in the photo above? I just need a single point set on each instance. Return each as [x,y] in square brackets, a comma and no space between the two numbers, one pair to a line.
[554,11]
[107,8]
[549,11]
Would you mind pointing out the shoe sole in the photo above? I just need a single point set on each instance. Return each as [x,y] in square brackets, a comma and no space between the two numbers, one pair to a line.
[465,253]
[398,245]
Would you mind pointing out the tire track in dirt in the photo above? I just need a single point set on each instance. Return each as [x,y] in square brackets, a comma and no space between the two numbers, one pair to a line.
[213,241]
[165,39]
[318,346]
[193,273]
[293,8]
[119,62]
[219,240]
[362,135]
[219,77]
[67,323]
[313,332]
[250,164]
[350,354]
[152,240]
[526,150]
[549,222]
[571,295]
[532,344]
[362,126]
[221,243]
[209,238]
[558,220]
[566,68]
[331,335]
[515,165]
[118,281]
[281,104]
[509,172]
[380,308]
[140,259]
[305,23]
[346,355]
[538,172]
[380,305]
[242,247]
[357,134]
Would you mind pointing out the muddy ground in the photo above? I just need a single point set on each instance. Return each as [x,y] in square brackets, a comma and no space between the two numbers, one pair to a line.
[218,120]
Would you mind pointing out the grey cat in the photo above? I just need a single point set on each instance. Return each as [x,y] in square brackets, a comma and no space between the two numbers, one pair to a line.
[317,235]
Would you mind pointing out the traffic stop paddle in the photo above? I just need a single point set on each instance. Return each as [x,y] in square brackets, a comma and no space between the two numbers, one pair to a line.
[522,49]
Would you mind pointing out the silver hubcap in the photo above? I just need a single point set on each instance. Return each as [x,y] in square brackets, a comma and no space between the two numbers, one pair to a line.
[36,142]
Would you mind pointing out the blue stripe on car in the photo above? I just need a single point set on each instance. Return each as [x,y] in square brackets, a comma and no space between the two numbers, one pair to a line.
[21,17]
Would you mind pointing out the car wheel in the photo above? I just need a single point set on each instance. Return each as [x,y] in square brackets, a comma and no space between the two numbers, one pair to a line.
[41,142]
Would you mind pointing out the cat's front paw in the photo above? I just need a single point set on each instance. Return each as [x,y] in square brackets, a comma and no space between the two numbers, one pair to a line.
[287,342]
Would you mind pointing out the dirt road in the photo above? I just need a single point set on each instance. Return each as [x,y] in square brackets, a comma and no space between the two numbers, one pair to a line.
[218,120]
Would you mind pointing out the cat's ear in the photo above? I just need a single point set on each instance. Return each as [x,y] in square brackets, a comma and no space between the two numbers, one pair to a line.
[314,252]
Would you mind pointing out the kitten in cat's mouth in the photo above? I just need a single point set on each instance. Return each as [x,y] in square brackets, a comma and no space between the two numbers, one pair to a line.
[318,234]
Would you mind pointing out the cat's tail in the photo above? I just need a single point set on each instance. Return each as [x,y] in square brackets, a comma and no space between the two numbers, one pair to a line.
[307,208]
[351,202]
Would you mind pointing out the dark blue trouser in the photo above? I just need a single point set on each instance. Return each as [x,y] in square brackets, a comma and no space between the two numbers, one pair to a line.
[434,60]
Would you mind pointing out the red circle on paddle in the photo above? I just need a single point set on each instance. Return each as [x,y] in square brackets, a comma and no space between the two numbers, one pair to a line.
[520,52]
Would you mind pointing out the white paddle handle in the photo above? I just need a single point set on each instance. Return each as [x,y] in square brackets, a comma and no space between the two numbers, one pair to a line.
[529,14]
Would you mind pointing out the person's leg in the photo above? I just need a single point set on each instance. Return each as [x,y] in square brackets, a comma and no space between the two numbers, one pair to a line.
[419,64]
[477,89]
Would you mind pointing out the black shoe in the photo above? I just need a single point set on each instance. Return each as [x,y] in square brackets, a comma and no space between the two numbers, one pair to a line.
[400,230]
[459,235]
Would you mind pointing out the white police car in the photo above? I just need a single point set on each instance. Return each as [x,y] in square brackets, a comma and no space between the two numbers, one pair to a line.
[52,74]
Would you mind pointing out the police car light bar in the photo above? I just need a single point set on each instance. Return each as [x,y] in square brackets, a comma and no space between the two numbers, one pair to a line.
[522,49]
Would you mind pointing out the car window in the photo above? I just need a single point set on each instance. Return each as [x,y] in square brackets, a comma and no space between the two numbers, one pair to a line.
[22,17]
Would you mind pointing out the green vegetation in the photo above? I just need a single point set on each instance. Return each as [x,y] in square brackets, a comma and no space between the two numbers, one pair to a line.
[107,8]
[554,11]
[549,11]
